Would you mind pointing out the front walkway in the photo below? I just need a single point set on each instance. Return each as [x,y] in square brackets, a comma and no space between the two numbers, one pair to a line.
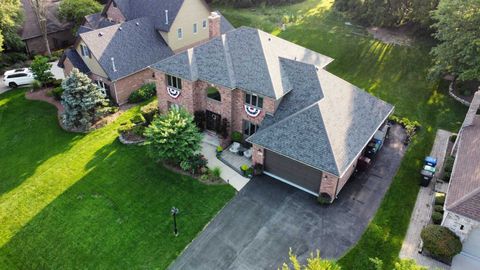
[228,174]
[423,209]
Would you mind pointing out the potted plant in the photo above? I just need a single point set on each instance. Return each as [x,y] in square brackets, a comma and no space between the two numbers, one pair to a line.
[257,169]
[249,172]
[237,136]
[219,151]
[244,169]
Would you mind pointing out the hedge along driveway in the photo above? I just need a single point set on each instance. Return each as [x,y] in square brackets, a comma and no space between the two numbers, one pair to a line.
[393,73]
[86,201]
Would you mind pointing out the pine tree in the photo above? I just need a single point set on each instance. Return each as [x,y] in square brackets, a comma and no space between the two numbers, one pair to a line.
[82,100]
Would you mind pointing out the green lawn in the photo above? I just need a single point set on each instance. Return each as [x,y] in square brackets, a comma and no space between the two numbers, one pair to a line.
[86,201]
[393,73]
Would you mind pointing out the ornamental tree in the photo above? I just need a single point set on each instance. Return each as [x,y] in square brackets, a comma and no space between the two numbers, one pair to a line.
[82,100]
[41,69]
[313,263]
[173,137]
[76,10]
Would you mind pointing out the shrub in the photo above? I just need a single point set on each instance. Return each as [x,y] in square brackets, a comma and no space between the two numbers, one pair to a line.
[41,69]
[149,111]
[449,164]
[437,217]
[453,138]
[237,136]
[438,208]
[244,167]
[125,127]
[57,93]
[146,92]
[173,137]
[36,84]
[440,199]
[138,119]
[219,149]
[447,176]
[440,242]
[216,172]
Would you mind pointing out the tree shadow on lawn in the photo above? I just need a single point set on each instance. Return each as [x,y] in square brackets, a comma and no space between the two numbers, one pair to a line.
[116,217]
[29,135]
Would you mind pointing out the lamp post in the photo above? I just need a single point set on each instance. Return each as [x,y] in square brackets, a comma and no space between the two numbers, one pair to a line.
[174,212]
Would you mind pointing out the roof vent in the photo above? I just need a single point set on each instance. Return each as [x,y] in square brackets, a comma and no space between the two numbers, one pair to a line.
[113,64]
[100,34]
[166,16]
[120,28]
[269,39]
[137,23]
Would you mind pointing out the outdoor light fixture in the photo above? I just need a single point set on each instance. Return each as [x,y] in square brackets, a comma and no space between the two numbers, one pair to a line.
[174,212]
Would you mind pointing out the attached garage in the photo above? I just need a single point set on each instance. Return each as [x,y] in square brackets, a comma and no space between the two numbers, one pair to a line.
[292,172]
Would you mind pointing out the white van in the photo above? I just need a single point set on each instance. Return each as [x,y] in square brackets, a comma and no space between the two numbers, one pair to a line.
[16,77]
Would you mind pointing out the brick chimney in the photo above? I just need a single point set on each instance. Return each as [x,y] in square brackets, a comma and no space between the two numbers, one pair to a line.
[214,25]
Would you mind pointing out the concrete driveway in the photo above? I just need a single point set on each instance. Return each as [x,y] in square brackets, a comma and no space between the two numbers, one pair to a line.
[57,74]
[267,217]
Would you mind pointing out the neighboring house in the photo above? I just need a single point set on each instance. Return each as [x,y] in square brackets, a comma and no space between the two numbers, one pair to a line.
[59,33]
[117,45]
[307,126]
[462,205]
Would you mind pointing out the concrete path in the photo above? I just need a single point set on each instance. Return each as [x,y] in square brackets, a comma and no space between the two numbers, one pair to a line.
[267,217]
[228,174]
[423,209]
[57,74]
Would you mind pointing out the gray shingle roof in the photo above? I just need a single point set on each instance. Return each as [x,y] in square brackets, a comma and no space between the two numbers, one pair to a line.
[323,122]
[97,20]
[134,9]
[134,45]
[75,59]
[227,60]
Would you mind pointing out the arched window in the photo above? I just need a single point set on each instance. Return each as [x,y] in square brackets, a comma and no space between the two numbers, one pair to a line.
[213,93]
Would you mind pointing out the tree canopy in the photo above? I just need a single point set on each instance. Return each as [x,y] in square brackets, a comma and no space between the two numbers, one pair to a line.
[41,69]
[76,10]
[10,18]
[389,13]
[457,30]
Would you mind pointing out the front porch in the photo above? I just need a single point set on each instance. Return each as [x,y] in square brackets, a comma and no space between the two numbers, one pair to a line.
[236,160]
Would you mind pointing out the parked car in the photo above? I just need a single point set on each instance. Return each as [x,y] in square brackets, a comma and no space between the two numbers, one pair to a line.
[16,77]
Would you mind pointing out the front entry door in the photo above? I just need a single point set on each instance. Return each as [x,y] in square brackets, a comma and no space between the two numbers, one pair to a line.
[213,120]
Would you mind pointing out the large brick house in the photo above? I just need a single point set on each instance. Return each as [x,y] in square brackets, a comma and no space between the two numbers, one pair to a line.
[462,204]
[306,126]
[115,47]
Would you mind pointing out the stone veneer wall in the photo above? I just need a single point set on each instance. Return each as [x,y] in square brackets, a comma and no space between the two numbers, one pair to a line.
[454,222]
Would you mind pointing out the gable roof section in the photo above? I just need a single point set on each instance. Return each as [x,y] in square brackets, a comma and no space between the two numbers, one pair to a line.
[227,60]
[134,9]
[324,121]
[134,45]
[463,196]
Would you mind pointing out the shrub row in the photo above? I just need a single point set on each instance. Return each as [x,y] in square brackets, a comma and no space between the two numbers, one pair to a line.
[144,93]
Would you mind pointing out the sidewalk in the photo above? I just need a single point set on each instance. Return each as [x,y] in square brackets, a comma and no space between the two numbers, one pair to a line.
[423,210]
[228,174]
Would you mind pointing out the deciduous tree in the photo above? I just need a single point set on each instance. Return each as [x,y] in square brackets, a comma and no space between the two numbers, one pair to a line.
[10,17]
[41,69]
[457,30]
[76,10]
[313,263]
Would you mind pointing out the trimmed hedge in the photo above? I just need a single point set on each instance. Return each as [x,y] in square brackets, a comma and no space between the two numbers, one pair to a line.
[440,242]
[440,200]
[146,92]
[437,217]
[438,208]
[149,111]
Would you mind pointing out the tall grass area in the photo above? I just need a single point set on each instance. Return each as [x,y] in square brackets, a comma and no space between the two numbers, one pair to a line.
[393,73]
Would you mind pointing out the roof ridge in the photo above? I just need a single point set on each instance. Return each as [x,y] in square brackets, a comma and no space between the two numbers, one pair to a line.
[228,59]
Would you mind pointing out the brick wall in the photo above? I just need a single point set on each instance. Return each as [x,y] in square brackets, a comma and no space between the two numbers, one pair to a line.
[114,14]
[454,222]
[124,87]
[258,155]
[328,185]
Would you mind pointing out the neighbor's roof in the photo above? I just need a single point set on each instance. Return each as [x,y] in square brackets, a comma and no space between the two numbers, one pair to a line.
[134,9]
[31,29]
[97,20]
[324,122]
[134,45]
[244,58]
[463,195]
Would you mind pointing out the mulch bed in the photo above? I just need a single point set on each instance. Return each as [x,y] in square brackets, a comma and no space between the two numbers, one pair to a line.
[179,170]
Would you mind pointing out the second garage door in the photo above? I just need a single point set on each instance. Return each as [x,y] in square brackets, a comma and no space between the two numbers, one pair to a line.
[294,172]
